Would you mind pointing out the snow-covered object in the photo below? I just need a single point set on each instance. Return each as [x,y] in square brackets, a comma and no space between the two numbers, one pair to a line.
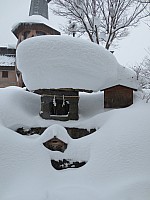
[7,60]
[117,155]
[124,76]
[55,131]
[28,104]
[66,62]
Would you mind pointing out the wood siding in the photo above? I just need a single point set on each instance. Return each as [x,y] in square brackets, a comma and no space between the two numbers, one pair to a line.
[118,97]
[11,80]
[48,95]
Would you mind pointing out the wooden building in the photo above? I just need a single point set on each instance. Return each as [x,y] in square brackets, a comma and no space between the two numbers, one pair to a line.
[118,96]
[55,144]
[25,30]
[59,104]
[36,25]
[8,75]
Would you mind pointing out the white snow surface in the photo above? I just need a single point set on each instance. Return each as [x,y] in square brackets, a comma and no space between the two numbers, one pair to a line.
[7,60]
[66,62]
[117,154]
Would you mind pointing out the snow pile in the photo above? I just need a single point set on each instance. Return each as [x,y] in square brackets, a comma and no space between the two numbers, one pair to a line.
[7,60]
[124,76]
[117,155]
[66,62]
[55,131]
[27,104]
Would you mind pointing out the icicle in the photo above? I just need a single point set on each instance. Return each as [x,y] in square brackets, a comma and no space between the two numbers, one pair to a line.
[54,101]
[63,104]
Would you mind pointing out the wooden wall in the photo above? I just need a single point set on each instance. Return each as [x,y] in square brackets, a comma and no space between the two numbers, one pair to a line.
[69,95]
[11,80]
[118,97]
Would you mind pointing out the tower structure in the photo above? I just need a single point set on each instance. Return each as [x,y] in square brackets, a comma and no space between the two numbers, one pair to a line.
[37,24]
[39,7]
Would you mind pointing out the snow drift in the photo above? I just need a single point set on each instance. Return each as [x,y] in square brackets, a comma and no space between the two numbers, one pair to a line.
[117,155]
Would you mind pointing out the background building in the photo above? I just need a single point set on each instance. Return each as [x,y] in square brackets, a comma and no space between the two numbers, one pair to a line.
[8,76]
[37,24]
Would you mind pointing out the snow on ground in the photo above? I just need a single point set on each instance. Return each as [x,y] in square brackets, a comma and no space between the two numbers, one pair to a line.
[67,62]
[117,155]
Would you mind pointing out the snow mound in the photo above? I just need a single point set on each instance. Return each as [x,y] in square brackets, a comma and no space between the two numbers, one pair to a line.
[66,62]
[117,155]
[124,76]
[7,60]
[55,130]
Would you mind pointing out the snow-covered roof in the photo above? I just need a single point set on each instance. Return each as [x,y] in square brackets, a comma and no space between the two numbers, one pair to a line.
[34,19]
[66,62]
[7,60]
[124,76]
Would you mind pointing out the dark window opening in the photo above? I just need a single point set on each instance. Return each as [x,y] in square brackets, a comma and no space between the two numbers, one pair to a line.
[26,34]
[4,74]
[38,33]
[59,107]
[65,164]
[55,145]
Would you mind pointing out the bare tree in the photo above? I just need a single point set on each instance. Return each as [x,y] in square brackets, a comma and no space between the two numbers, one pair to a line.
[103,21]
[142,71]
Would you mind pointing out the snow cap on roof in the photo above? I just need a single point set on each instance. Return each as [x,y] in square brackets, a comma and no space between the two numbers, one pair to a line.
[124,76]
[66,62]
[34,19]
[7,60]
[57,131]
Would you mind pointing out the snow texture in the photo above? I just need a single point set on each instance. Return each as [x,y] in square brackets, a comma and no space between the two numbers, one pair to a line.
[117,154]
[7,60]
[66,62]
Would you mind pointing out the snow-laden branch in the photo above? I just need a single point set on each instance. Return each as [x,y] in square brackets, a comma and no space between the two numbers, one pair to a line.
[96,18]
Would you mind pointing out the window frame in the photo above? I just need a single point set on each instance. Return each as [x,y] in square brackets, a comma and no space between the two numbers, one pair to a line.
[4,74]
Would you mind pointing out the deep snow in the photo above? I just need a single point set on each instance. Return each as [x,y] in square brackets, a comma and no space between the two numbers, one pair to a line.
[117,154]
[66,62]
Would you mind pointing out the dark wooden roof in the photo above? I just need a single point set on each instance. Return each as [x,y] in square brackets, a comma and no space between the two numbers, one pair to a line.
[61,90]
[34,26]
[7,51]
[118,85]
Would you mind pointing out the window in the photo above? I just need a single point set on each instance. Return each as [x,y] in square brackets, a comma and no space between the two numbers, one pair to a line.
[38,33]
[4,74]
[59,107]
[26,34]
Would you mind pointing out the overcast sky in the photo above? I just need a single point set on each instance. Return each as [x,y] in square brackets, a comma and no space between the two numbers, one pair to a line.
[131,50]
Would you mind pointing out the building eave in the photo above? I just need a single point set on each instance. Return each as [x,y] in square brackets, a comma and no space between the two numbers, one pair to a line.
[135,89]
[30,25]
